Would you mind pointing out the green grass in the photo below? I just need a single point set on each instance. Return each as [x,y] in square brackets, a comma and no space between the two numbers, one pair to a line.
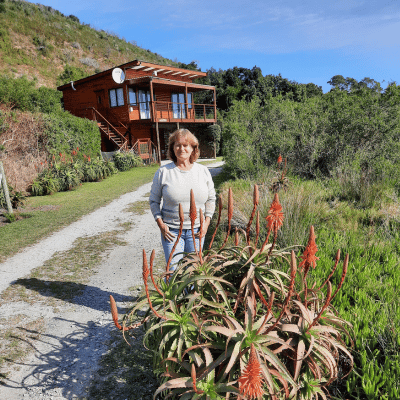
[67,208]
[211,161]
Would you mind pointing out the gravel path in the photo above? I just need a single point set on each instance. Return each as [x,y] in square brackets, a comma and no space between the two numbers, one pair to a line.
[66,355]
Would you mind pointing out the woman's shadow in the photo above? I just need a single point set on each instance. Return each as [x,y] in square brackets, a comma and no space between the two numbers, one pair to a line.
[75,293]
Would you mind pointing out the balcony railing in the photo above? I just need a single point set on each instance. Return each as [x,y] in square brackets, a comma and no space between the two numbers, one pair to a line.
[165,111]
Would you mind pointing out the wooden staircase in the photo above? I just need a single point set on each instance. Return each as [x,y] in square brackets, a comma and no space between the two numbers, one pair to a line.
[112,133]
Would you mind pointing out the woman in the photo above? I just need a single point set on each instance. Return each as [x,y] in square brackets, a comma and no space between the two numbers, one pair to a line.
[172,184]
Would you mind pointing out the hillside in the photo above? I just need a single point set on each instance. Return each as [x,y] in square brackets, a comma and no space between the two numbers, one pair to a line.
[39,42]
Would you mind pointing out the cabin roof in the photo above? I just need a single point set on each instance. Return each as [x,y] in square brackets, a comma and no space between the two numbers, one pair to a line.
[144,66]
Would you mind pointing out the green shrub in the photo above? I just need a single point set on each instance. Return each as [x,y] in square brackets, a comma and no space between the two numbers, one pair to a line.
[65,133]
[22,93]
[126,160]
[17,198]
[45,183]
[67,173]
[212,135]
[10,217]
[318,135]
[69,74]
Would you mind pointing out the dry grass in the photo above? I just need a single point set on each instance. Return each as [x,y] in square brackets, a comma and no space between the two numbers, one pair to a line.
[21,136]
[63,276]
[18,334]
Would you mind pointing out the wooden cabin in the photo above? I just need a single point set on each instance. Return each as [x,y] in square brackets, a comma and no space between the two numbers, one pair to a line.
[137,106]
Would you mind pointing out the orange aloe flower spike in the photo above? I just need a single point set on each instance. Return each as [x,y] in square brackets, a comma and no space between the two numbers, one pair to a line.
[274,219]
[345,266]
[193,216]
[181,218]
[230,215]
[280,159]
[275,215]
[218,220]
[146,274]
[236,237]
[257,229]
[251,380]
[200,236]
[153,254]
[256,199]
[193,373]
[326,304]
[337,258]
[308,258]
[114,313]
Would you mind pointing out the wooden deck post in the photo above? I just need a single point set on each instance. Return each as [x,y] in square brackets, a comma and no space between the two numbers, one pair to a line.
[3,182]
[152,101]
[186,101]
[158,144]
[215,105]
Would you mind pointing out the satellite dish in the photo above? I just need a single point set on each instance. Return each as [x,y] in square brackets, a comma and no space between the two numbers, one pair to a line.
[118,75]
[72,85]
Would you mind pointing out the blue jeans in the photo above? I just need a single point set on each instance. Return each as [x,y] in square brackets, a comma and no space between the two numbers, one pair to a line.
[185,244]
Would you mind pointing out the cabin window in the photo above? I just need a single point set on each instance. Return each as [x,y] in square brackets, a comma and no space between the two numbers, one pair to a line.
[144,104]
[116,97]
[178,105]
[132,96]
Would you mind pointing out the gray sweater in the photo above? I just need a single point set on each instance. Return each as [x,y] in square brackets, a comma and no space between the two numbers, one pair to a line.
[172,186]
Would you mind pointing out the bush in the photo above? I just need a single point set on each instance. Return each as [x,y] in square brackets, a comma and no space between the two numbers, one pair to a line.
[66,173]
[22,93]
[318,135]
[46,183]
[213,136]
[69,74]
[66,133]
[17,198]
[126,160]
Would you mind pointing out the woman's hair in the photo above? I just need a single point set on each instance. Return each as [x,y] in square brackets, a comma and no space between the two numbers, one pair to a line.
[183,133]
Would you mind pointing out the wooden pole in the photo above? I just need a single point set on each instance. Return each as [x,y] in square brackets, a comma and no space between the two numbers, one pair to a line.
[152,101]
[5,188]
[158,144]
[186,101]
[215,105]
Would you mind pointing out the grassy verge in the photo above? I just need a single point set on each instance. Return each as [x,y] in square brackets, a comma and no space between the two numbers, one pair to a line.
[47,214]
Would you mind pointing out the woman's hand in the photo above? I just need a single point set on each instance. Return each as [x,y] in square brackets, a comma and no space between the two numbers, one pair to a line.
[167,235]
[204,229]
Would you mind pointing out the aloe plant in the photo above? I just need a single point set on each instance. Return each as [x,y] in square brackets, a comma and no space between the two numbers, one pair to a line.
[243,322]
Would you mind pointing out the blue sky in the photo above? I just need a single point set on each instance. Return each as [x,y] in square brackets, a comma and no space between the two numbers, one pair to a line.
[305,41]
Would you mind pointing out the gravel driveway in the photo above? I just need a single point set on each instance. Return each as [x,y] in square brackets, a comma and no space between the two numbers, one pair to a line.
[76,332]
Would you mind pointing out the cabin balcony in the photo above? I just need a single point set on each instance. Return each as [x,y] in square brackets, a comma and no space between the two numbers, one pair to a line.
[164,111]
